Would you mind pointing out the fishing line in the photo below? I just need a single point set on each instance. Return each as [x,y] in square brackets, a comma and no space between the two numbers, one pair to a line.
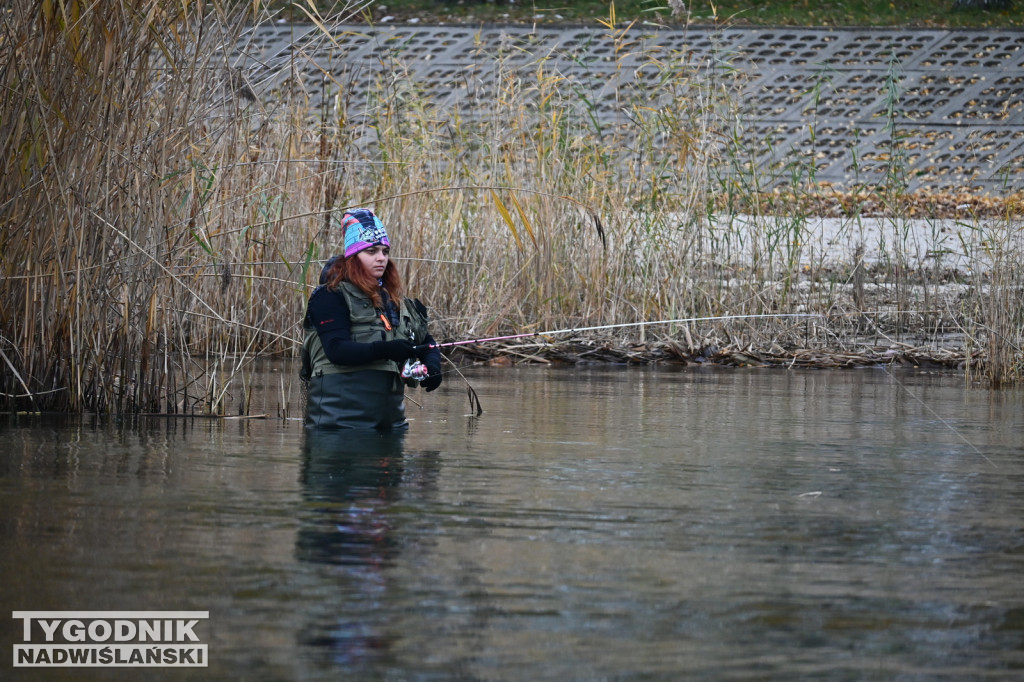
[622,325]
[474,399]
[683,320]
[939,417]
[923,404]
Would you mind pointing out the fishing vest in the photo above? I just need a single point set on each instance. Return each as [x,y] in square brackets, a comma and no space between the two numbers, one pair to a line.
[366,327]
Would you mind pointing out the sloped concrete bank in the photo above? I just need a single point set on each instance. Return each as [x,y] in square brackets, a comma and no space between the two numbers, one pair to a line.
[943,108]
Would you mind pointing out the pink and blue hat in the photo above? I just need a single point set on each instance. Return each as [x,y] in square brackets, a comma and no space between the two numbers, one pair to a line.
[362,230]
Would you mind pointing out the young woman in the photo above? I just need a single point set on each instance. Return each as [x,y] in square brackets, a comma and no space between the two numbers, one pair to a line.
[360,332]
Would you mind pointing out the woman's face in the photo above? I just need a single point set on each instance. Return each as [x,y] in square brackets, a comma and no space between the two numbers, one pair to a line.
[375,259]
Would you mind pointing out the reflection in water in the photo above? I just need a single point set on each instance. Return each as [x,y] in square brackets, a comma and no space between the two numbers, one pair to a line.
[350,481]
[347,481]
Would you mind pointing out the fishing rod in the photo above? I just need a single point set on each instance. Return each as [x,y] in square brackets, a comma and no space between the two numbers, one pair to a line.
[621,325]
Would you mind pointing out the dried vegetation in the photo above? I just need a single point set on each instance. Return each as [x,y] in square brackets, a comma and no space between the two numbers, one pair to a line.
[162,225]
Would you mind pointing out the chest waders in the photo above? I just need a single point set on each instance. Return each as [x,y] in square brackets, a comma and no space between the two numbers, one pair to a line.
[370,396]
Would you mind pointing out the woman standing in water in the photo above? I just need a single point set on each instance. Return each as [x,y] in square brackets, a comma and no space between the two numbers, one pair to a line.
[360,333]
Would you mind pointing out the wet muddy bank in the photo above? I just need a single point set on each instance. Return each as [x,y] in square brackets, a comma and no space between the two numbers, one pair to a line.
[828,325]
[593,351]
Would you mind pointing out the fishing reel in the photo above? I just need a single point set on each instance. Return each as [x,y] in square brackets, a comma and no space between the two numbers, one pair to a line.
[415,370]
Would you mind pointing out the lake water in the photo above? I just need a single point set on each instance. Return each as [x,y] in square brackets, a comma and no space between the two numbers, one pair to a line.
[730,524]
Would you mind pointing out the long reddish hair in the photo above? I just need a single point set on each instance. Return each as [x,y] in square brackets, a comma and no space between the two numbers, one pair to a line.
[352,270]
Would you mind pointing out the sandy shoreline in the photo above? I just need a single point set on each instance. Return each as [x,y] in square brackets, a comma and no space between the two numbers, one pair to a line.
[938,244]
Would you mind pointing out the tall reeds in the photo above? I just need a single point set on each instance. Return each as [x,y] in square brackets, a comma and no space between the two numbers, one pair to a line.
[163,217]
[118,122]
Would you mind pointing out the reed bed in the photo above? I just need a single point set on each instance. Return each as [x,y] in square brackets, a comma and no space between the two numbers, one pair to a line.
[164,220]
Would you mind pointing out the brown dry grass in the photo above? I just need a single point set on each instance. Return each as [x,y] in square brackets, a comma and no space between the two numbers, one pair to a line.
[827,201]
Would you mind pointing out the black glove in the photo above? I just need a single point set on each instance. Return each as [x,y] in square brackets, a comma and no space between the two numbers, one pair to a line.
[398,350]
[433,379]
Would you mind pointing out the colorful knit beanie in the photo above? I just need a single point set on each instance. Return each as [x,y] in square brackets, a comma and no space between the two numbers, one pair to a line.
[362,230]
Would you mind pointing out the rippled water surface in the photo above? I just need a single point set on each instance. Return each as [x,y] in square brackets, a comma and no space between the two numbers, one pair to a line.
[605,523]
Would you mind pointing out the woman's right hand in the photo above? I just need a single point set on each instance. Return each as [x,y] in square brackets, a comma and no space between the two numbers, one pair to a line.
[398,350]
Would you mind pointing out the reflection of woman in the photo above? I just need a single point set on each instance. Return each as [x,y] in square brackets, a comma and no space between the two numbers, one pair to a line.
[360,332]
[350,479]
